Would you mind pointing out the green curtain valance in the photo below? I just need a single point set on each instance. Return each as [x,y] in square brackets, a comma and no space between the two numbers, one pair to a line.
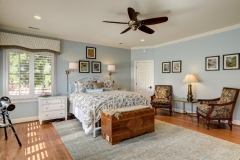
[33,44]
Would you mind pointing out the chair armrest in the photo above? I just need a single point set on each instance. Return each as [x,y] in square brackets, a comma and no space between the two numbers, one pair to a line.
[208,100]
[152,97]
[215,105]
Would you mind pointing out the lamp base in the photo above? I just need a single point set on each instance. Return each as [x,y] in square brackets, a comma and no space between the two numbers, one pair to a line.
[189,96]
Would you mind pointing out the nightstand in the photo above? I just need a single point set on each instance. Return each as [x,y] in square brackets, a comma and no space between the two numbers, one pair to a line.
[52,108]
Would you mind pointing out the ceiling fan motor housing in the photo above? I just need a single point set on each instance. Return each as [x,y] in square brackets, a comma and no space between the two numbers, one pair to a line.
[134,24]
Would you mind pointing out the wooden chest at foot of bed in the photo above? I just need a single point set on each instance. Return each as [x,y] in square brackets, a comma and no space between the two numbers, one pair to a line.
[129,124]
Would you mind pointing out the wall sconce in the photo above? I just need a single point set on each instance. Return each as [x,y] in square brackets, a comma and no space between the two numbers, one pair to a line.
[72,66]
[190,78]
[111,69]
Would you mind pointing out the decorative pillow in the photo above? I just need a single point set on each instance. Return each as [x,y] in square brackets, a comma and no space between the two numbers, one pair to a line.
[107,83]
[76,87]
[94,90]
[82,86]
[97,85]
[107,89]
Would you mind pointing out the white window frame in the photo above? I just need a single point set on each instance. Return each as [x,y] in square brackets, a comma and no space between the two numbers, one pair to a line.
[31,97]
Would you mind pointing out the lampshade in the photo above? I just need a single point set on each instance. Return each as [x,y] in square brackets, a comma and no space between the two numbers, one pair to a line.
[111,67]
[190,78]
[73,65]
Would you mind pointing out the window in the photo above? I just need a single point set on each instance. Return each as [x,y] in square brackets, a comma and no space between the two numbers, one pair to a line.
[28,74]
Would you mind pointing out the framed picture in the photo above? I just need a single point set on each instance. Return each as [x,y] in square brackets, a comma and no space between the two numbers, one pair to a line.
[212,63]
[166,67]
[83,66]
[176,66]
[96,67]
[90,52]
[231,61]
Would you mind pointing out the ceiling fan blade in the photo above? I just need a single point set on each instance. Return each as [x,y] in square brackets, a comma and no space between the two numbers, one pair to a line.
[152,21]
[125,30]
[146,29]
[116,22]
[132,14]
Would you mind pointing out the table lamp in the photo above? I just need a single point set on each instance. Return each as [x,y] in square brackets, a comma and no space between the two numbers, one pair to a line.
[190,78]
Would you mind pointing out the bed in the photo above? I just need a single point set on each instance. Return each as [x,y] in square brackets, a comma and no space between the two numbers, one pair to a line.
[87,102]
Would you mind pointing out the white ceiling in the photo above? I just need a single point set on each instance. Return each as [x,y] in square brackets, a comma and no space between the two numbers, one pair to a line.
[81,20]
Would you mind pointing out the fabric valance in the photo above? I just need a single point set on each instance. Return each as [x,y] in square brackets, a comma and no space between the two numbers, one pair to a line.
[33,44]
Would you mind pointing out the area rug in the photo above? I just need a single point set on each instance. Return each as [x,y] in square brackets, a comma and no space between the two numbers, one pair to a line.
[168,142]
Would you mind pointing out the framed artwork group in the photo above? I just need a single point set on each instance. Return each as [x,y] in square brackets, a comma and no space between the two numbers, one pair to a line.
[84,66]
[230,62]
[176,67]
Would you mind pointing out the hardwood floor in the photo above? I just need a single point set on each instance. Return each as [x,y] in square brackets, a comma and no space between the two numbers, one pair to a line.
[38,142]
[42,141]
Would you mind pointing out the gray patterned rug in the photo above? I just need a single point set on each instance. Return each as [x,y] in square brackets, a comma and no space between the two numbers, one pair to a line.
[168,142]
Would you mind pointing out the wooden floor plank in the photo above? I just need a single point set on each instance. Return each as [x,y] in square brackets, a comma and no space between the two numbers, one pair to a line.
[42,141]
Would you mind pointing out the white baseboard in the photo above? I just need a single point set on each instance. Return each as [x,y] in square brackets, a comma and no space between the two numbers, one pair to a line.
[236,122]
[27,119]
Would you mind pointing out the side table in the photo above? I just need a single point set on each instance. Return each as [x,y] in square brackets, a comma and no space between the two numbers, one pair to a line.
[52,108]
[184,100]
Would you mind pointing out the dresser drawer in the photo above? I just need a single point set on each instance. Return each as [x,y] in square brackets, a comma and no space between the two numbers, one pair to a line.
[53,101]
[53,114]
[53,107]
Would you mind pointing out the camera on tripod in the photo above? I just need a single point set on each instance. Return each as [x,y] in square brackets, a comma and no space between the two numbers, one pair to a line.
[5,106]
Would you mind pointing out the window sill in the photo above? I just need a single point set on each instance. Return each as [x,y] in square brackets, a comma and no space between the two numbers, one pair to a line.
[24,100]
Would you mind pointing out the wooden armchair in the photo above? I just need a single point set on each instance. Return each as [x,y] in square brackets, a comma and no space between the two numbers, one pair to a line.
[220,108]
[162,97]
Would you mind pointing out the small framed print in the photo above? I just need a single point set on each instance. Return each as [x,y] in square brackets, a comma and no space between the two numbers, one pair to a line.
[212,63]
[231,61]
[83,66]
[176,66]
[96,67]
[90,52]
[166,67]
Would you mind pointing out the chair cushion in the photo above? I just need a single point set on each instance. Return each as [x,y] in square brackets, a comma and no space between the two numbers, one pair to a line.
[218,111]
[203,109]
[160,101]
[162,92]
[227,96]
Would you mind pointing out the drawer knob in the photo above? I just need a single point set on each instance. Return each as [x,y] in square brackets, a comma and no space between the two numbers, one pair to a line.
[46,115]
[61,113]
[61,106]
[46,108]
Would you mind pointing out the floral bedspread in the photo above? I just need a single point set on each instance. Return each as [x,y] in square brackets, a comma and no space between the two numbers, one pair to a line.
[90,102]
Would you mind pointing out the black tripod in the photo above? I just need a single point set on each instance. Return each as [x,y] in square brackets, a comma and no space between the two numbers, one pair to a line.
[4,125]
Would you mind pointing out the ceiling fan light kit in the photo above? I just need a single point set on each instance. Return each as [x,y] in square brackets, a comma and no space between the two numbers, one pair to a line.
[135,24]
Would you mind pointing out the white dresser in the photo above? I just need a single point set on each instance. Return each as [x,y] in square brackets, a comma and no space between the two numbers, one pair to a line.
[52,108]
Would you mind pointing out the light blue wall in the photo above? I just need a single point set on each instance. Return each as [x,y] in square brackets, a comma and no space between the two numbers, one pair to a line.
[1,72]
[73,52]
[192,53]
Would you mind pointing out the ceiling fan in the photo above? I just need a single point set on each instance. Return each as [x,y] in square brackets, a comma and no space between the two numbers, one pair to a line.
[135,24]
